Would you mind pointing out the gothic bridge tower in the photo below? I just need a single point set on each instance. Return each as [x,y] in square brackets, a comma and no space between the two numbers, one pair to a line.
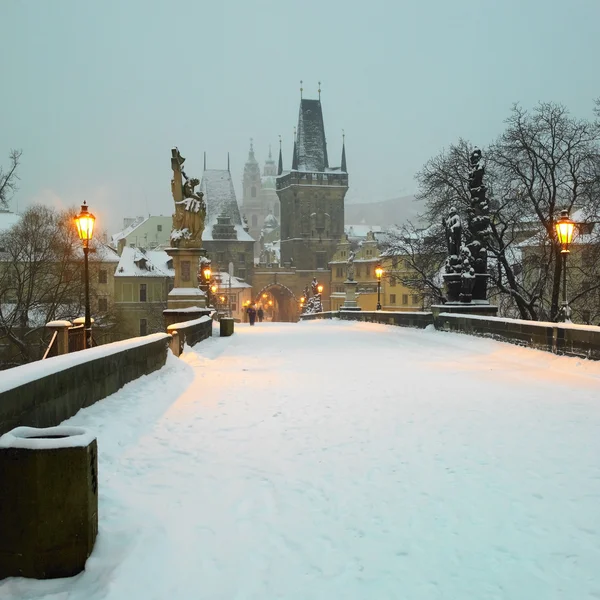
[311,195]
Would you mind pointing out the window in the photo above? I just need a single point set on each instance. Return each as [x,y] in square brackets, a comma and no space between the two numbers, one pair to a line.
[392,282]
[358,273]
[404,298]
[242,257]
[159,228]
[143,293]
[367,271]
[392,298]
[320,256]
[339,271]
[102,304]
[221,258]
[415,299]
[103,276]
[253,192]
[241,273]
[185,270]
[254,221]
[143,326]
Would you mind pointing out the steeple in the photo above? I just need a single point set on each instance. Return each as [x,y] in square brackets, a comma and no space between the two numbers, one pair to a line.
[343,167]
[280,165]
[251,158]
[270,170]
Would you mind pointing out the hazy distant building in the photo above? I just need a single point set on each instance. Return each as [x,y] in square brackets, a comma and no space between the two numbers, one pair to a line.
[259,198]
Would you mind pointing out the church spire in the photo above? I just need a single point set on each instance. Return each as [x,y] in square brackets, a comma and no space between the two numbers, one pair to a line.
[280,165]
[343,167]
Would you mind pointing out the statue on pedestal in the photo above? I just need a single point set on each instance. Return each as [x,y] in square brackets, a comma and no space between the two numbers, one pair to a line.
[190,208]
[350,266]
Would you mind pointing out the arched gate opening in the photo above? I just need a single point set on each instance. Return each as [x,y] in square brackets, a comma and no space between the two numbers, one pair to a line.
[278,303]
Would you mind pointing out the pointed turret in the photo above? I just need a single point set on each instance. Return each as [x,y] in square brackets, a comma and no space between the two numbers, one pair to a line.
[280,164]
[311,146]
[343,167]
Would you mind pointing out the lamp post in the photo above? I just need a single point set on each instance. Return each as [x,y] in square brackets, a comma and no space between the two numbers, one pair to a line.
[378,273]
[85,229]
[564,233]
[206,273]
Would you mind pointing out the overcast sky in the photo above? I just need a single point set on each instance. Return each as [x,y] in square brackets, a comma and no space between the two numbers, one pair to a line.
[97,92]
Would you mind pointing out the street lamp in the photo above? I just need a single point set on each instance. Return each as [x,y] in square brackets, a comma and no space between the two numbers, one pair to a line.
[378,273]
[564,232]
[85,229]
[320,288]
[206,273]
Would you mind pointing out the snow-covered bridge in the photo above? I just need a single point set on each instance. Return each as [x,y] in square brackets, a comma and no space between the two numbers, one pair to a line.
[346,460]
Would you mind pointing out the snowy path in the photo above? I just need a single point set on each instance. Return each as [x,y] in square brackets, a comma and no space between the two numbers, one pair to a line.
[329,460]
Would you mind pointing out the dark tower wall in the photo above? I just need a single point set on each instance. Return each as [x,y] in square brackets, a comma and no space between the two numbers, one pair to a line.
[311,196]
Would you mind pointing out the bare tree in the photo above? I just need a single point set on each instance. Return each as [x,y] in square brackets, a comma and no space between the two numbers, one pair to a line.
[40,278]
[9,178]
[544,161]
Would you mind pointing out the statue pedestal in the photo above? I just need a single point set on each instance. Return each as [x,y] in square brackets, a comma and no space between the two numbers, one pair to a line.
[350,301]
[482,309]
[185,292]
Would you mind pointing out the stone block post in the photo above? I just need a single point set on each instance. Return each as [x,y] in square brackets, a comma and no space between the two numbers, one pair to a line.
[48,502]
[62,337]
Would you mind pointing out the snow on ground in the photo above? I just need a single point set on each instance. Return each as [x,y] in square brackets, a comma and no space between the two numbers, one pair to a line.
[334,460]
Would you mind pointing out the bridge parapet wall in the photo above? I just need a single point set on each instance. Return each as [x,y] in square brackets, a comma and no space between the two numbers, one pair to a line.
[45,393]
[569,339]
[189,332]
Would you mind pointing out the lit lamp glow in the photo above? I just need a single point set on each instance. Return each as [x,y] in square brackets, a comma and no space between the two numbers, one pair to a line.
[320,288]
[378,274]
[564,232]
[85,221]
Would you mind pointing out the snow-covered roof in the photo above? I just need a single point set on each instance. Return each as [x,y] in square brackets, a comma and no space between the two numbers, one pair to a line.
[8,219]
[123,234]
[219,195]
[361,230]
[151,263]
[223,277]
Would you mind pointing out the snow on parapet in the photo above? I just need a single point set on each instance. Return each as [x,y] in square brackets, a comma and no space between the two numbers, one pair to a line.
[47,438]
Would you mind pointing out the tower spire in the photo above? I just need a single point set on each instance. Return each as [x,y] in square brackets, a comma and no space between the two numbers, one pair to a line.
[295,155]
[280,165]
[343,167]
[319,91]
[228,162]
[301,89]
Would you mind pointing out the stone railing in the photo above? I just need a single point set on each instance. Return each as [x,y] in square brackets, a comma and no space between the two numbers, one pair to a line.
[45,393]
[419,320]
[560,338]
[189,332]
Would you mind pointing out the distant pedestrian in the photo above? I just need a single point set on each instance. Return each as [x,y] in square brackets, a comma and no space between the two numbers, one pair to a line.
[260,313]
[251,314]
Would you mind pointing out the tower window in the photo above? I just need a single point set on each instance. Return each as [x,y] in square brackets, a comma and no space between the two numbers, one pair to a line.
[253,192]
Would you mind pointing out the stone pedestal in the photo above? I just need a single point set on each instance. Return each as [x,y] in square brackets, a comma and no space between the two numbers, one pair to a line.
[226,327]
[465,308]
[48,501]
[350,301]
[185,292]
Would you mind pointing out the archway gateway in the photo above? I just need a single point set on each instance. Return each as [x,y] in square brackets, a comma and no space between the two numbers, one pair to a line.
[279,303]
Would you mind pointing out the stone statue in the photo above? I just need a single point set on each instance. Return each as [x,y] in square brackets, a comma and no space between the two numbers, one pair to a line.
[314,284]
[453,227]
[350,266]
[190,208]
